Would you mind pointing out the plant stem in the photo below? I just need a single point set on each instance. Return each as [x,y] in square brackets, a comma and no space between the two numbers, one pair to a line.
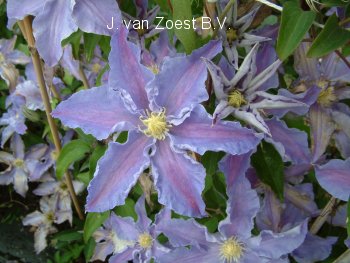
[84,78]
[279,8]
[222,15]
[343,258]
[342,58]
[322,218]
[345,21]
[26,26]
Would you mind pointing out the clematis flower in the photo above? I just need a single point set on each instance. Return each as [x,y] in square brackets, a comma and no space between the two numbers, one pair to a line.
[234,34]
[20,165]
[55,20]
[334,178]
[58,190]
[91,69]
[159,49]
[14,122]
[164,119]
[42,222]
[129,240]
[234,241]
[8,58]
[244,95]
[327,78]
[142,14]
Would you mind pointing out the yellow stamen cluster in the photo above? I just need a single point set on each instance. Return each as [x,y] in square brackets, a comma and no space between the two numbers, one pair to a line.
[18,163]
[231,34]
[327,97]
[96,68]
[54,155]
[145,240]
[63,186]
[50,217]
[231,250]
[157,126]
[154,68]
[141,31]
[236,99]
[2,58]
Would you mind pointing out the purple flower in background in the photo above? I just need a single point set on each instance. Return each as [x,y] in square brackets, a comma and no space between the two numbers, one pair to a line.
[43,220]
[147,28]
[334,177]
[234,242]
[60,193]
[20,165]
[244,95]
[14,122]
[159,49]
[235,36]
[55,20]
[8,58]
[91,69]
[328,116]
[129,240]
[164,119]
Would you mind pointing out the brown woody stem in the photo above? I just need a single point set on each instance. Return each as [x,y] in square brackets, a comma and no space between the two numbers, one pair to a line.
[26,27]
[322,218]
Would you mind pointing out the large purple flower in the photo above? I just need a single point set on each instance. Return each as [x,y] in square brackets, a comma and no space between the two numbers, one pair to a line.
[164,119]
[55,20]
[234,242]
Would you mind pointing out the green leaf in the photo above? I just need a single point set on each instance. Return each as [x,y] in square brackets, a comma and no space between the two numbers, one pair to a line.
[182,11]
[128,209]
[84,177]
[295,23]
[331,37]
[93,221]
[163,4]
[71,152]
[90,43]
[269,167]
[89,249]
[67,236]
[96,155]
[74,40]
[210,161]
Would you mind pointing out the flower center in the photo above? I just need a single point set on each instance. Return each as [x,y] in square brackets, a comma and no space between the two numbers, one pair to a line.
[145,240]
[2,58]
[50,217]
[154,68]
[54,155]
[231,250]
[141,31]
[18,163]
[231,34]
[63,186]
[327,97]
[157,126]
[96,68]
[236,99]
